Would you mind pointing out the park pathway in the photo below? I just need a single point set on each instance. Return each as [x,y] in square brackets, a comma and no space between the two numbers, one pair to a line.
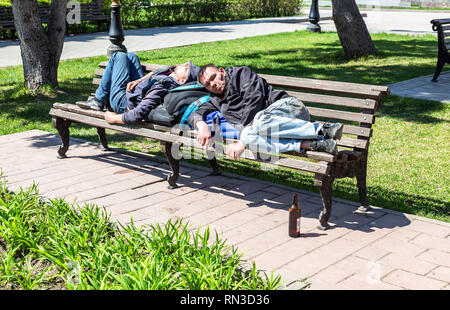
[382,249]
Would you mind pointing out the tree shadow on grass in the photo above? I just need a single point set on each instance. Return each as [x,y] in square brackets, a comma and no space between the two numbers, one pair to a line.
[412,110]
[19,103]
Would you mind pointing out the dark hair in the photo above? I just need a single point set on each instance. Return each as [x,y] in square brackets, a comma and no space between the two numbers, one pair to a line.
[203,70]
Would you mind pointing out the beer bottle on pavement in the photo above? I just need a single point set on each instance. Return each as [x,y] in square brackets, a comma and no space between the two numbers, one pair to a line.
[294,218]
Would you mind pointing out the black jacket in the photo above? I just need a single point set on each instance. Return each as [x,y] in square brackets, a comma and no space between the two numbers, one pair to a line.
[246,94]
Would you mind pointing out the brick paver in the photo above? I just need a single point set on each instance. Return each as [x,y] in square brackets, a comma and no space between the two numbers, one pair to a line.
[413,281]
[381,249]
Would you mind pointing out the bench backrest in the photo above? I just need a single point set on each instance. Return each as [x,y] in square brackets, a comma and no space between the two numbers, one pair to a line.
[93,8]
[349,103]
[442,26]
[6,14]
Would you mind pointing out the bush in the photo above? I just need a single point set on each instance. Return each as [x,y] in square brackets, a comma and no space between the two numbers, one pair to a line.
[142,13]
[267,8]
[150,13]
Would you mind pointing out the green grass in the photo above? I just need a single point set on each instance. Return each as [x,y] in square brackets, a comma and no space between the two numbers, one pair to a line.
[408,156]
[51,244]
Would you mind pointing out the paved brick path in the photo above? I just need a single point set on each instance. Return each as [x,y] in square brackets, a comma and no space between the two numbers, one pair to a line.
[423,88]
[379,250]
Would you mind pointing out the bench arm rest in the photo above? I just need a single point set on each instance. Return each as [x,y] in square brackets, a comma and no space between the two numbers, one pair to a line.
[437,22]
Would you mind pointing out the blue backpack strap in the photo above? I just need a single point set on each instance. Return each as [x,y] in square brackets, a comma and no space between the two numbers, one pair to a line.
[191,108]
[189,86]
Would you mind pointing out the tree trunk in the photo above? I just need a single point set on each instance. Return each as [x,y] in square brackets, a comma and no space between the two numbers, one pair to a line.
[40,48]
[351,28]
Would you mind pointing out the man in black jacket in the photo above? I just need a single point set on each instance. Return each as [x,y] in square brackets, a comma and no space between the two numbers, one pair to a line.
[266,118]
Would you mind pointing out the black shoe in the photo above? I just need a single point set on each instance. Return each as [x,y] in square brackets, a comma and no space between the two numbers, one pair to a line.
[332,131]
[92,104]
[328,146]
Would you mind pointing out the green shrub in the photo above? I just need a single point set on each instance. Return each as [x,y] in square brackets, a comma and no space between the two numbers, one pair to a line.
[146,13]
[138,13]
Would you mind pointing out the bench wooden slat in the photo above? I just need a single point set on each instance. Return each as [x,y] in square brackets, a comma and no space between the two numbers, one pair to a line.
[353,143]
[342,115]
[335,101]
[341,88]
[318,168]
[69,107]
[359,131]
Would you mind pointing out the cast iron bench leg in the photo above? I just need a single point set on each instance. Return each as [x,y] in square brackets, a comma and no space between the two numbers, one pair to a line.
[215,167]
[62,125]
[102,137]
[174,165]
[218,147]
[439,66]
[326,192]
[361,178]
[213,163]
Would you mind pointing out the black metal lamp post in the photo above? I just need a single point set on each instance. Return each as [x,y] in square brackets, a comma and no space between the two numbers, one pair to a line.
[314,17]
[116,35]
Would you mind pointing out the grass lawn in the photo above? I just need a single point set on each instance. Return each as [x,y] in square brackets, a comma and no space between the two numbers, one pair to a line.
[408,157]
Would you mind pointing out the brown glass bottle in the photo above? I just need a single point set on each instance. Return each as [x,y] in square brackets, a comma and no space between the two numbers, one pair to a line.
[294,218]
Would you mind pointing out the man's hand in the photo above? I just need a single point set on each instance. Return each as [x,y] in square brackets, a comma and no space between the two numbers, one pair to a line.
[113,118]
[132,85]
[203,134]
[235,149]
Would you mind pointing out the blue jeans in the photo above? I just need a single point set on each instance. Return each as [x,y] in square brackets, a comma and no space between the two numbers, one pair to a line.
[281,127]
[121,69]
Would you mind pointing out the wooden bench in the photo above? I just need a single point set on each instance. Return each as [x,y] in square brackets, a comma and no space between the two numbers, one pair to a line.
[7,21]
[352,104]
[88,12]
[442,26]
[93,12]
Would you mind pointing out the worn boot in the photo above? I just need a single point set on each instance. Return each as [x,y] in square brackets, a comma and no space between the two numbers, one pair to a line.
[92,104]
[328,146]
[332,131]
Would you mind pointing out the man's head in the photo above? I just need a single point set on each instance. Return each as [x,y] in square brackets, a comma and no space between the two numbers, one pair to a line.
[213,78]
[185,73]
